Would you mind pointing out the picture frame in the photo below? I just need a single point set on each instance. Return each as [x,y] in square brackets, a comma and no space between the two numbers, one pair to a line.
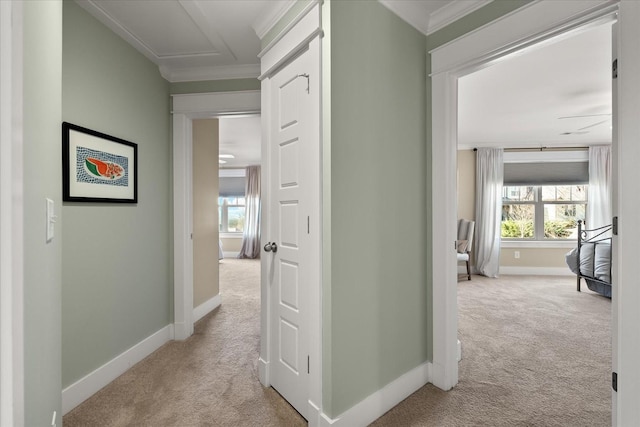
[97,167]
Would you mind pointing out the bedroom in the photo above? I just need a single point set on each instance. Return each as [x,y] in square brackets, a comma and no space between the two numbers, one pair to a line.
[545,108]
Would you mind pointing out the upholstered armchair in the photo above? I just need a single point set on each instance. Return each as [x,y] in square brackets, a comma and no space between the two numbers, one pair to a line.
[464,244]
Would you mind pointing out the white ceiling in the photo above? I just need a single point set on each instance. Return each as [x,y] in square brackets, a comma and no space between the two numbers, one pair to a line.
[517,102]
[240,137]
[555,95]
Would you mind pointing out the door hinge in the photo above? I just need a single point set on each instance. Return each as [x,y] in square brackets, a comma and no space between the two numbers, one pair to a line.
[307,364]
[614,226]
[614,381]
[614,69]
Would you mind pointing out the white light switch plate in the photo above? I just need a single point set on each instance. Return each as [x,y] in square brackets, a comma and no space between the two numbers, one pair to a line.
[51,220]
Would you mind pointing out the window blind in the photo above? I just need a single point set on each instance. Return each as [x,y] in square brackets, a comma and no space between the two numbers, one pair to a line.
[231,186]
[546,173]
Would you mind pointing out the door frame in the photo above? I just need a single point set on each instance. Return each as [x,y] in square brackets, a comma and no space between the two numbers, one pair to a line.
[531,24]
[186,108]
[302,34]
[11,216]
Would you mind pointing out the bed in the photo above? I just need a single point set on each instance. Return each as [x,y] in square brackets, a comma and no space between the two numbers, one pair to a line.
[591,259]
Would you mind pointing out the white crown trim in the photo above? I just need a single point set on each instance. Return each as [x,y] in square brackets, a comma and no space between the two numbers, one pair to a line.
[272,14]
[414,14]
[221,72]
[452,12]
[102,16]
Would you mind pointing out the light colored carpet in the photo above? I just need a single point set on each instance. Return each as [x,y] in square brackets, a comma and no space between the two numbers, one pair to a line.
[210,379]
[535,353]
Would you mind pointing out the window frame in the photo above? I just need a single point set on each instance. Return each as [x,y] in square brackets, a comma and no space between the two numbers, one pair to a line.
[224,214]
[538,212]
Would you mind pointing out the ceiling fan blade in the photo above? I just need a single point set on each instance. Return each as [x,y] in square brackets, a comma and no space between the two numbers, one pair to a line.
[595,124]
[586,115]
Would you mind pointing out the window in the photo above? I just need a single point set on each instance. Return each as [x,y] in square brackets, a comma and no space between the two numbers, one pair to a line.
[545,212]
[231,212]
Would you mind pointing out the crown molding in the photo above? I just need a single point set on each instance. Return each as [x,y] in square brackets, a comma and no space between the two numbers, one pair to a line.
[453,11]
[102,16]
[272,14]
[221,72]
[418,14]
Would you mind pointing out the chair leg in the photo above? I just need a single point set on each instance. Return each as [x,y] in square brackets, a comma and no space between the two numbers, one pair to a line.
[468,271]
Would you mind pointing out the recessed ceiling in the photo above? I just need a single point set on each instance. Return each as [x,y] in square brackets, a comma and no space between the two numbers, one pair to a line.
[193,39]
[558,94]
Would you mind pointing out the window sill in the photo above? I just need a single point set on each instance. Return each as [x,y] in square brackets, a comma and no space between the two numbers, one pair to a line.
[538,244]
[230,235]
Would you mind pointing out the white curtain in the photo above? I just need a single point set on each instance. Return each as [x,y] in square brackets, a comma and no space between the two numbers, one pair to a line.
[251,236]
[489,179]
[599,211]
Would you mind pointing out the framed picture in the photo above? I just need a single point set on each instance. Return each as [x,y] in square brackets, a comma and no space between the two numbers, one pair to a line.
[98,167]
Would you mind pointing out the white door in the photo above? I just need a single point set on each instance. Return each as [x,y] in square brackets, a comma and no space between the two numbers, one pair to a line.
[293,157]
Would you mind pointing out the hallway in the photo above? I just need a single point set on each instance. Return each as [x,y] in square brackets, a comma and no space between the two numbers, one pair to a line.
[211,379]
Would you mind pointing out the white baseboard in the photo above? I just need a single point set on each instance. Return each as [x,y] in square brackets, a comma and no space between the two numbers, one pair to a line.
[537,271]
[230,255]
[206,307]
[459,351]
[84,388]
[374,406]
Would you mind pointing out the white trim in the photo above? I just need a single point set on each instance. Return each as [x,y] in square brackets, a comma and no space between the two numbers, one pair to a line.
[84,388]
[230,254]
[547,156]
[524,27]
[414,13]
[204,105]
[11,216]
[536,271]
[451,12]
[216,72]
[376,404]
[539,244]
[186,108]
[298,30]
[206,307]
[626,294]
[529,25]
[271,16]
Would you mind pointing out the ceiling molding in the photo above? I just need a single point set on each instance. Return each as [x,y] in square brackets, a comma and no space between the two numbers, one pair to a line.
[411,12]
[102,16]
[197,15]
[271,16]
[428,18]
[452,12]
[221,72]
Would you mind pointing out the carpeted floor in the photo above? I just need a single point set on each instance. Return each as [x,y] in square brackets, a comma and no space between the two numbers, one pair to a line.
[210,379]
[535,353]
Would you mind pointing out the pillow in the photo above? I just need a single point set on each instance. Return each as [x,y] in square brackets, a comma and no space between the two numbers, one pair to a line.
[461,246]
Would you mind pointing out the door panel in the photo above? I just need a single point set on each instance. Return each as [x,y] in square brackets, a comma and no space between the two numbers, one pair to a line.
[291,157]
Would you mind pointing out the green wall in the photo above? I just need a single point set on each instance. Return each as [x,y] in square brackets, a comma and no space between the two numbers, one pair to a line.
[42,179]
[378,286]
[116,258]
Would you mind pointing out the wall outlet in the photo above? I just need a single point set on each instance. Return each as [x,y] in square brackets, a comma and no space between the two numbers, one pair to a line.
[516,254]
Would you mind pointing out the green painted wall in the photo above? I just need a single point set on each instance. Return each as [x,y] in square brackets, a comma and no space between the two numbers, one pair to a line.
[117,258]
[42,179]
[214,86]
[379,300]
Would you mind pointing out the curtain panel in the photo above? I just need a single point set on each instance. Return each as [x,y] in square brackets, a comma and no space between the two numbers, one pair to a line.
[599,210]
[251,236]
[489,181]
